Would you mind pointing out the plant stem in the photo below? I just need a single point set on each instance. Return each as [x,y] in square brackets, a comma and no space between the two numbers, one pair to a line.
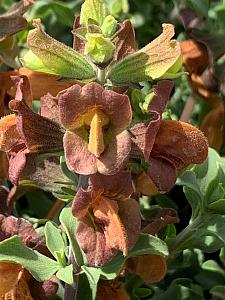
[183,239]
[71,290]
[101,76]
[185,116]
[57,206]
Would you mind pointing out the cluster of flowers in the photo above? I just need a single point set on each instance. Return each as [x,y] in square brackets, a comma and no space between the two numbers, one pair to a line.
[91,123]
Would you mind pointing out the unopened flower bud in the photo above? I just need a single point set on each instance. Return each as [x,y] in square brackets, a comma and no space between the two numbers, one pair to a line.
[109,26]
[99,48]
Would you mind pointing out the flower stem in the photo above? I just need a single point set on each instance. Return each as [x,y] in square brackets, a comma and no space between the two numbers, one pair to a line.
[184,239]
[101,76]
[185,116]
[71,290]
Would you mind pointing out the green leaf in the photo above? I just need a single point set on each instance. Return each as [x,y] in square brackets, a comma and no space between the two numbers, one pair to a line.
[69,223]
[200,6]
[178,292]
[93,276]
[31,61]
[213,266]
[218,206]
[41,267]
[146,244]
[54,240]
[57,57]
[66,274]
[150,62]
[218,291]
[93,12]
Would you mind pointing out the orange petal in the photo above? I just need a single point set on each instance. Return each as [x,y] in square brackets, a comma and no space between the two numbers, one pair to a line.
[41,83]
[107,211]
[194,56]
[9,276]
[145,185]
[151,268]
[8,132]
[21,290]
[180,143]
[213,127]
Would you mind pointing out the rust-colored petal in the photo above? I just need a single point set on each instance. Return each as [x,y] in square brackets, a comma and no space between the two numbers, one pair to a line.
[38,133]
[124,40]
[162,93]
[11,22]
[213,127]
[195,57]
[9,276]
[116,155]
[162,173]
[49,108]
[120,183]
[23,89]
[78,44]
[9,134]
[76,101]
[151,268]
[43,290]
[82,202]
[11,225]
[78,158]
[164,217]
[143,137]
[20,162]
[180,143]
[143,134]
[145,185]
[92,241]
[130,216]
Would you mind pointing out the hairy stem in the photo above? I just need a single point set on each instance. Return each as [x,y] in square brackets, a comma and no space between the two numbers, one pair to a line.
[184,239]
[71,290]
[101,76]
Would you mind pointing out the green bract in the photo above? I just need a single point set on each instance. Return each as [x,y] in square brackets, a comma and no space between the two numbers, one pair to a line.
[93,12]
[56,57]
[153,61]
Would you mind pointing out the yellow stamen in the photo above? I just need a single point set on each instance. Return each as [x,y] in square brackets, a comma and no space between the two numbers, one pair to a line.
[96,119]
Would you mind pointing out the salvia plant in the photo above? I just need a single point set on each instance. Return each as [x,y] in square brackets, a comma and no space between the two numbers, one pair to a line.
[101,142]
